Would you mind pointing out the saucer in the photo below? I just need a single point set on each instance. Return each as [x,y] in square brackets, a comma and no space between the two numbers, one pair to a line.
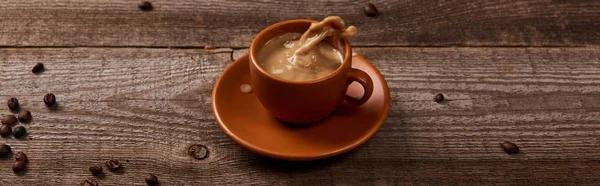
[242,117]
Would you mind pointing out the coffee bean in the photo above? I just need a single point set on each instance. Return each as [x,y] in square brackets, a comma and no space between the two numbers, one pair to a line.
[13,104]
[9,120]
[198,151]
[438,98]
[37,68]
[371,10]
[151,179]
[19,166]
[145,5]
[19,132]
[510,148]
[50,99]
[113,165]
[24,116]
[96,169]
[89,182]
[21,157]
[5,130]
[4,150]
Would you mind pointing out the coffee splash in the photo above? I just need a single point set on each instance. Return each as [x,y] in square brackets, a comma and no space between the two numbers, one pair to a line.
[307,56]
[330,26]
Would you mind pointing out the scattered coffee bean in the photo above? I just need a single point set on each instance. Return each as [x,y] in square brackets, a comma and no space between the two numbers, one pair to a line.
[96,169]
[5,130]
[24,116]
[89,182]
[438,98]
[9,120]
[151,179]
[37,68]
[371,10]
[4,150]
[198,151]
[145,5]
[510,148]
[19,166]
[50,99]
[21,157]
[13,104]
[19,132]
[113,165]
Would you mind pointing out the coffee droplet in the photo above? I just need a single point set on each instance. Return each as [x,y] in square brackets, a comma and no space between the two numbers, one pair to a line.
[199,152]
[245,88]
[510,148]
[350,31]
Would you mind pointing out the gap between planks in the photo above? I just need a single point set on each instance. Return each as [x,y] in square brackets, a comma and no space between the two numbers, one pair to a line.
[237,52]
[354,46]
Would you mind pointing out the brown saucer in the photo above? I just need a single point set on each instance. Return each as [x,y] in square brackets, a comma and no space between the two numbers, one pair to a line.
[243,118]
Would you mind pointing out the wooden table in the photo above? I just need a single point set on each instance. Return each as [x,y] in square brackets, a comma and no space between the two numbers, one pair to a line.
[136,86]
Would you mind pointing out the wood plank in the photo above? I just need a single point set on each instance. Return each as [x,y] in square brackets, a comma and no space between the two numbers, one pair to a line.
[148,106]
[184,23]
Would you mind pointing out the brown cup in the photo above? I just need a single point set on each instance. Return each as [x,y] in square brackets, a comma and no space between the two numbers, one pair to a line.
[302,102]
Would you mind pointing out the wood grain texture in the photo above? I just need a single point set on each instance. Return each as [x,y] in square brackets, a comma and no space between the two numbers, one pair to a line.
[185,23]
[148,106]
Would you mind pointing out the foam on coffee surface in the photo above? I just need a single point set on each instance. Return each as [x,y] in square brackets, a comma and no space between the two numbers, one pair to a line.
[302,57]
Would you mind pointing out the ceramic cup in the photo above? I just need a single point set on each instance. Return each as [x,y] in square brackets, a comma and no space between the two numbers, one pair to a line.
[302,102]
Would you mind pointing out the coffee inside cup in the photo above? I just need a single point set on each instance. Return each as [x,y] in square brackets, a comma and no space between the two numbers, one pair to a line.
[306,56]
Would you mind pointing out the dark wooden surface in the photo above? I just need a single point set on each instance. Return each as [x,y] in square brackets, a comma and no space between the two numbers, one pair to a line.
[185,23]
[135,86]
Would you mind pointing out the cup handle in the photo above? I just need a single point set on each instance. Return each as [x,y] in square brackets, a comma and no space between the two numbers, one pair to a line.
[367,83]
